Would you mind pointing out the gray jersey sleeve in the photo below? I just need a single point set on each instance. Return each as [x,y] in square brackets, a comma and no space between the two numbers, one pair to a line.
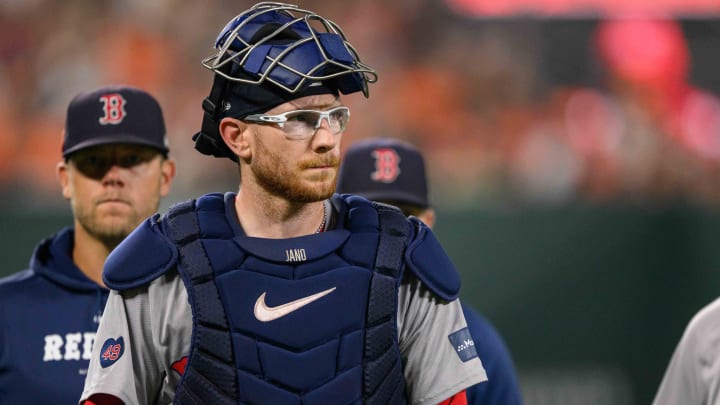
[155,325]
[693,375]
[436,367]
[116,379]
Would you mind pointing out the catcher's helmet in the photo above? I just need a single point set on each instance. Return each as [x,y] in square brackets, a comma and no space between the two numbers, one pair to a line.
[270,54]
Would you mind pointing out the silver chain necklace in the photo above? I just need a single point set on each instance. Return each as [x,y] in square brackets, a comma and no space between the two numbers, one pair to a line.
[321,228]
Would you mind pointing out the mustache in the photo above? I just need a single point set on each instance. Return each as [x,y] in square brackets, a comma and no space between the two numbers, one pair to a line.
[332,161]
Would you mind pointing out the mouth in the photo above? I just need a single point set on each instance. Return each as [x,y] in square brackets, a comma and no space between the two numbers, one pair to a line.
[113,201]
[331,164]
[322,172]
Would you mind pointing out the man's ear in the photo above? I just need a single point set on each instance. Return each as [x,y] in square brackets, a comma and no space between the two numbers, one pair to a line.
[167,174]
[61,170]
[428,217]
[234,134]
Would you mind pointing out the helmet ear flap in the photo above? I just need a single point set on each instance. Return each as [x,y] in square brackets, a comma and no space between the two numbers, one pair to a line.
[213,146]
[209,141]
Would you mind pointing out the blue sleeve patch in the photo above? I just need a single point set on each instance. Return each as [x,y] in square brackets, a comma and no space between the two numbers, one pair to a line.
[428,261]
[142,257]
[464,344]
[111,351]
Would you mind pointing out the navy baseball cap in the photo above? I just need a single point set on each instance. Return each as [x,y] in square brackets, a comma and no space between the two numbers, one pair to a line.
[384,169]
[114,114]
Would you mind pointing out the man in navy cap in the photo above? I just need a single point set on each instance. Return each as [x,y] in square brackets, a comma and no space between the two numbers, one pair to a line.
[114,171]
[392,171]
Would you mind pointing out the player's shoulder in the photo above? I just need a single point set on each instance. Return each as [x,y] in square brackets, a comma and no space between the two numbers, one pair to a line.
[22,287]
[141,257]
[424,256]
[153,247]
[698,345]
[427,259]
[17,282]
[706,322]
[15,278]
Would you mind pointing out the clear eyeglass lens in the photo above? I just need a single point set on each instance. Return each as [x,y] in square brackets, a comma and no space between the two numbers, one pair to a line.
[339,119]
[303,123]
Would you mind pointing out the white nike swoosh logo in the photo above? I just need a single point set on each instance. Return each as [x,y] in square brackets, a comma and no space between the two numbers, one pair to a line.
[264,313]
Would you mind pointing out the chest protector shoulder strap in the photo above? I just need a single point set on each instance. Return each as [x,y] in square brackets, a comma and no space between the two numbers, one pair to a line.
[383,379]
[210,375]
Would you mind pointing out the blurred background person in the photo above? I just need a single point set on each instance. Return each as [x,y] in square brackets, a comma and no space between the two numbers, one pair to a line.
[114,171]
[392,171]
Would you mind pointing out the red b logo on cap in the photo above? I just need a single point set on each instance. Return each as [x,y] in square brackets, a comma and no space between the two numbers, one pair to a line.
[114,109]
[387,167]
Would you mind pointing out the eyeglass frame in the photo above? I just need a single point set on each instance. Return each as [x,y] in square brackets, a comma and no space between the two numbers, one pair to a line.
[281,119]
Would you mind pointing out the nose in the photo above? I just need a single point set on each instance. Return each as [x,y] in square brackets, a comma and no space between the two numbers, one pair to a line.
[325,138]
[113,177]
[322,120]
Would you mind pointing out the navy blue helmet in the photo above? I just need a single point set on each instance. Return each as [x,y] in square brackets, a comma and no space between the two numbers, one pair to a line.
[270,54]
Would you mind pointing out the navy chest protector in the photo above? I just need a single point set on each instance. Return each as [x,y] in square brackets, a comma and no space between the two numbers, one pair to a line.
[307,320]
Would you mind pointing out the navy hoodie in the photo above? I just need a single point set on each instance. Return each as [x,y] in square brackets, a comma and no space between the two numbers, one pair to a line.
[48,317]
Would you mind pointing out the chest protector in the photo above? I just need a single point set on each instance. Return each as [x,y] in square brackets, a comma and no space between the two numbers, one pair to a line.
[306,320]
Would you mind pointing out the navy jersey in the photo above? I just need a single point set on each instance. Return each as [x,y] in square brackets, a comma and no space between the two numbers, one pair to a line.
[48,317]
[502,385]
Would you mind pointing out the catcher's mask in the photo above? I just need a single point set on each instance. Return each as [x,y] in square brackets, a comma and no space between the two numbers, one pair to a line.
[271,54]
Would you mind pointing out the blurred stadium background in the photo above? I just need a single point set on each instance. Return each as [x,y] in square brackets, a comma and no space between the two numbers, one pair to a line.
[574,149]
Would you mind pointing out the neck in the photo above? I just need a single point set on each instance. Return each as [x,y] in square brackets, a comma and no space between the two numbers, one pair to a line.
[276,218]
[89,255]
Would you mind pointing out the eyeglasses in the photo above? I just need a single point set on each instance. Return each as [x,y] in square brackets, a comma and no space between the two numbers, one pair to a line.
[301,124]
